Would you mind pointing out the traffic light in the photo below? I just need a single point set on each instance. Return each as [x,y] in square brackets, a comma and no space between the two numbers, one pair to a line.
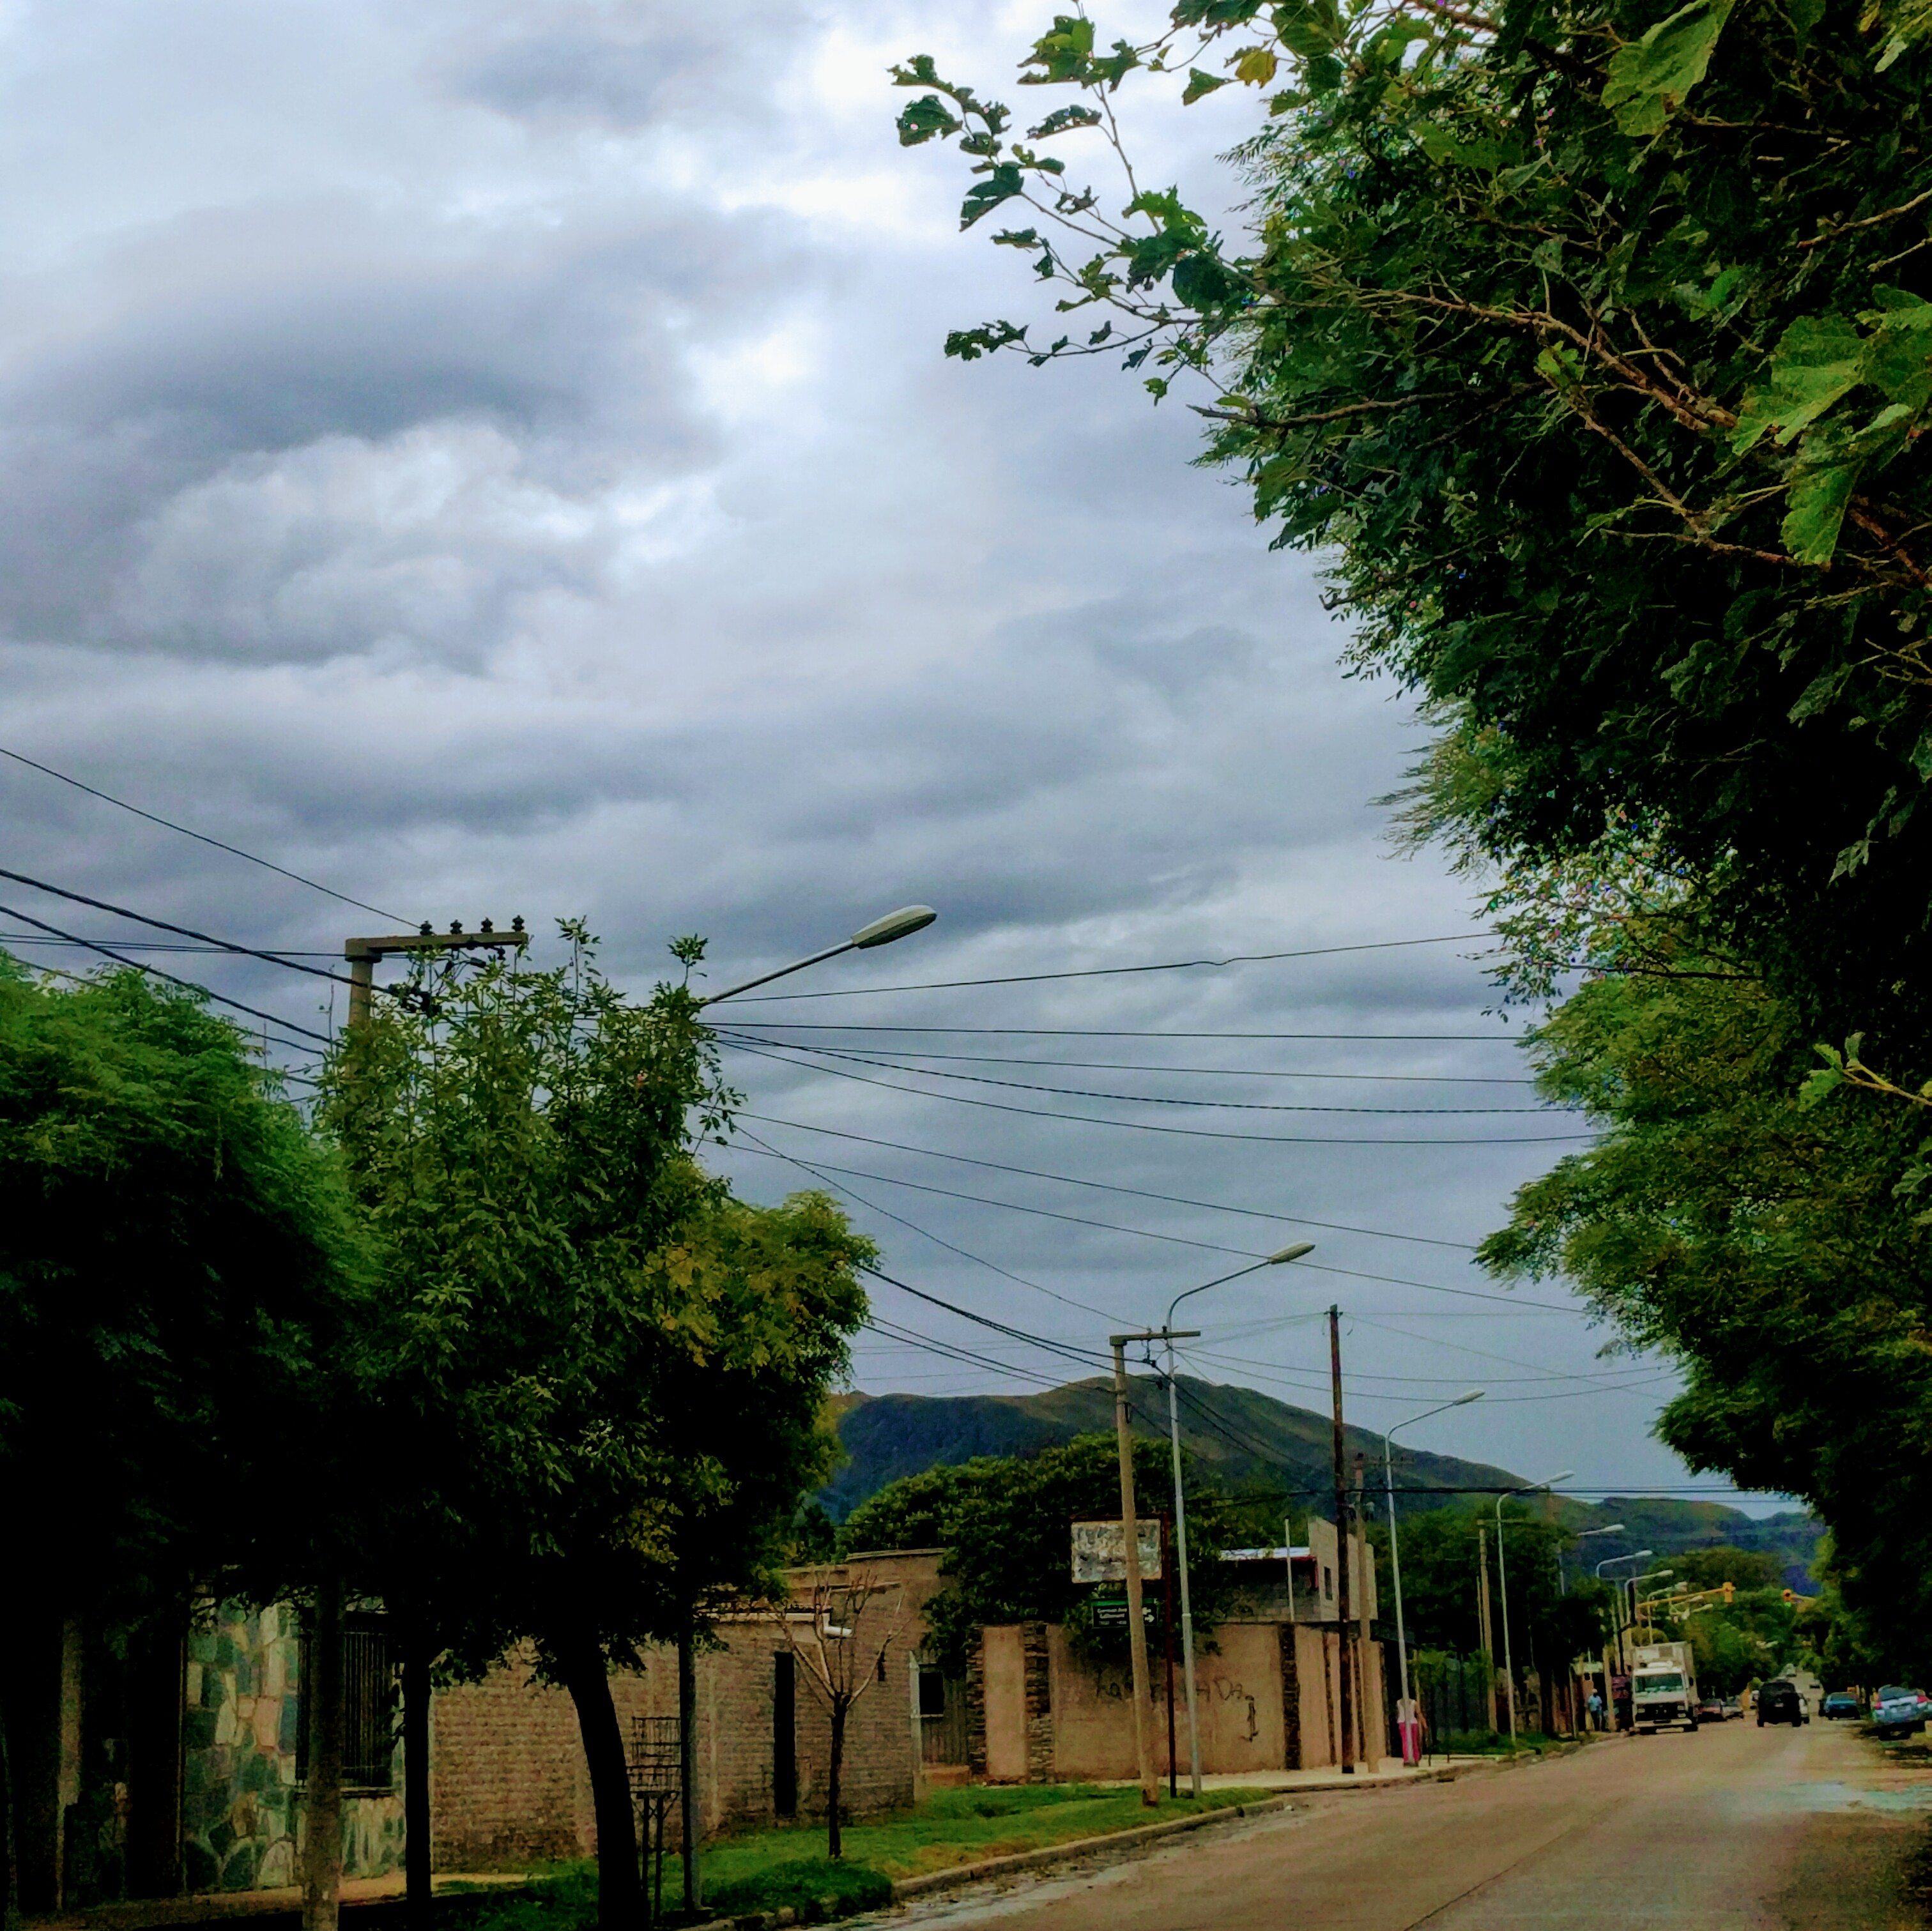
[1730,1590]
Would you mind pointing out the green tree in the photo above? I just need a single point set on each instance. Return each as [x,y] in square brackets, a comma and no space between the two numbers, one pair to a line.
[1744,1569]
[605,1373]
[182,1281]
[178,1268]
[1002,1521]
[1587,338]
[1548,1626]
[1771,1250]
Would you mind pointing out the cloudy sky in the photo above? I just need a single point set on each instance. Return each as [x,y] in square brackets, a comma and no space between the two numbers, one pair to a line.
[495,457]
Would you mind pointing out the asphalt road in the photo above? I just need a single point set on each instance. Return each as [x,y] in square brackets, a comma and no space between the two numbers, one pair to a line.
[1734,1826]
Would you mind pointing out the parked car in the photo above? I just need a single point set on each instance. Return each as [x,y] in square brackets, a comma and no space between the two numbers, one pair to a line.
[1778,1701]
[1711,1710]
[1841,1706]
[1734,1706]
[1898,1711]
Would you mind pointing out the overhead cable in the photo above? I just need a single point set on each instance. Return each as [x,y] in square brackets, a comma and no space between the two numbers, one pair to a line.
[155,972]
[747,1042]
[168,824]
[1213,1247]
[805,1166]
[1185,1132]
[1110,1186]
[1138,1033]
[1115,972]
[1218,1072]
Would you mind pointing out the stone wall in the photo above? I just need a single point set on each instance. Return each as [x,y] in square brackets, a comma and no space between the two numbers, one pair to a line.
[241,1806]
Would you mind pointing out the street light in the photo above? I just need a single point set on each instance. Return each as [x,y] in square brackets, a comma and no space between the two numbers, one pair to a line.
[899,925]
[1395,1556]
[1294,1253]
[1502,1586]
[1582,1535]
[1610,1562]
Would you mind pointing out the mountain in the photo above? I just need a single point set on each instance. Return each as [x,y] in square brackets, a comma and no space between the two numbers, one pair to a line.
[1252,1443]
[1249,1441]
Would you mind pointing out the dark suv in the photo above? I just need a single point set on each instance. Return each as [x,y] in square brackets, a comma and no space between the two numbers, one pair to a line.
[1778,1701]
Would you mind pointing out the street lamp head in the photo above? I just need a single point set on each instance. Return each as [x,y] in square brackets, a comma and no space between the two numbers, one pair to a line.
[1463,1401]
[1294,1253]
[899,925]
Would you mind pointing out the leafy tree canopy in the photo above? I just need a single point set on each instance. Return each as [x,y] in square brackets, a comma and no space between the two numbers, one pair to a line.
[1003,1521]
[1591,338]
[180,1276]
[1742,1568]
[1770,1249]
[608,1372]
[1440,1555]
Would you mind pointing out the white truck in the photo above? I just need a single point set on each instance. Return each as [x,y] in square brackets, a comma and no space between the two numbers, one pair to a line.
[1664,1687]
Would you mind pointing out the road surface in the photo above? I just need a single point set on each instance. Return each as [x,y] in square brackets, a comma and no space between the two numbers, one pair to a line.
[1735,1826]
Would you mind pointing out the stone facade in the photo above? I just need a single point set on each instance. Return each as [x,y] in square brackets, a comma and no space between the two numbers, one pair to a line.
[241,1803]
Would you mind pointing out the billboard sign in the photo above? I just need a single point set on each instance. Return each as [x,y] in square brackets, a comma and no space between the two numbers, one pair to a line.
[1100,1552]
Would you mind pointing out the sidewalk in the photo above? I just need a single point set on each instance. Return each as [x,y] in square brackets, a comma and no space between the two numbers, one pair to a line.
[358,1894]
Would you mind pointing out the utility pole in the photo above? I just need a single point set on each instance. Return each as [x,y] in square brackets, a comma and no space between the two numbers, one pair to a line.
[1342,1564]
[418,1823]
[1372,1752]
[1483,1612]
[1167,1632]
[1130,1533]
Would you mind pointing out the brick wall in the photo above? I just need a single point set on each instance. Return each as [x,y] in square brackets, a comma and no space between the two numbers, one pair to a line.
[510,1786]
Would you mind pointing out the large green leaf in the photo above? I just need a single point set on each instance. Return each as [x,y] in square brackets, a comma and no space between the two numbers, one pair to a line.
[1818,359]
[1650,78]
[1817,499]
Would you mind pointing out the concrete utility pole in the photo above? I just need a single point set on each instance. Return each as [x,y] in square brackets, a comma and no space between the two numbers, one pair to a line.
[417,1826]
[1484,1631]
[1342,1632]
[1130,1533]
[1372,1752]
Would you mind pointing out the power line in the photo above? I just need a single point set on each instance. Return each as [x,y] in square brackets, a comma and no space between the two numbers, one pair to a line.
[746,1043]
[1081,1356]
[984,1199]
[166,925]
[924,1233]
[1460,1347]
[905,1337]
[159,946]
[1111,1186]
[155,972]
[1114,971]
[1186,1132]
[1132,1032]
[405,994]
[169,824]
[1213,1247]
[1223,1072]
